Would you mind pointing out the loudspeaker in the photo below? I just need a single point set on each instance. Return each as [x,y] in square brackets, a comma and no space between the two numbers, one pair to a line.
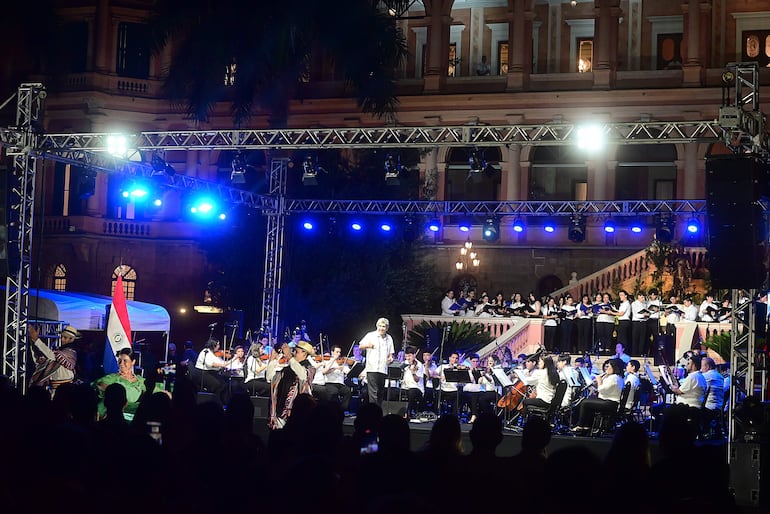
[261,407]
[392,407]
[736,221]
[204,397]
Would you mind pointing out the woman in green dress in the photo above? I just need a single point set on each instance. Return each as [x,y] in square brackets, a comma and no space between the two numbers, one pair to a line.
[132,383]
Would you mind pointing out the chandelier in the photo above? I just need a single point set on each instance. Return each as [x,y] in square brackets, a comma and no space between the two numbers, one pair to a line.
[468,259]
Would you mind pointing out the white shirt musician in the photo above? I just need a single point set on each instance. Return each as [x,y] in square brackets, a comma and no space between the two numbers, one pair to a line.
[379,353]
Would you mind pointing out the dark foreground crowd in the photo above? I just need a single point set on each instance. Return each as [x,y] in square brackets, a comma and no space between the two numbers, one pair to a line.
[177,456]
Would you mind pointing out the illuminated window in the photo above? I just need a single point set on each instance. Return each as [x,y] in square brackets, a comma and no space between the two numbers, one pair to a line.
[129,280]
[453,60]
[60,278]
[756,46]
[585,55]
[670,47]
[502,52]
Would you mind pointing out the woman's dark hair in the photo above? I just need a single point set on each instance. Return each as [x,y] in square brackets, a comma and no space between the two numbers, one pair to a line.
[127,351]
[617,366]
[550,369]
[212,343]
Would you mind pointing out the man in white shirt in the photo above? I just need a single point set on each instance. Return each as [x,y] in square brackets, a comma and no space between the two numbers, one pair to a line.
[620,353]
[54,367]
[447,303]
[333,371]
[379,353]
[447,390]
[690,310]
[708,309]
[715,383]
[692,390]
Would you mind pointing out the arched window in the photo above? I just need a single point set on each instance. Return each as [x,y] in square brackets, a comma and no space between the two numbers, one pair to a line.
[129,280]
[60,278]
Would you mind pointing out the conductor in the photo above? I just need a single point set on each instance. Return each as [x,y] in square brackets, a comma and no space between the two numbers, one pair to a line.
[379,353]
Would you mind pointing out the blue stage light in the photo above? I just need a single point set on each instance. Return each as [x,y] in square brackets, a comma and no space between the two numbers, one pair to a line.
[465,226]
[518,225]
[356,226]
[549,227]
[609,227]
[386,227]
[307,225]
[636,227]
[434,225]
[693,227]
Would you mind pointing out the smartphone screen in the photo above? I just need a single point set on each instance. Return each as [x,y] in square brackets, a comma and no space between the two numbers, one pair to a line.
[369,443]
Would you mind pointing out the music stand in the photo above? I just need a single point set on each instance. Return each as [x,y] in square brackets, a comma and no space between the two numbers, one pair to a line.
[395,373]
[458,377]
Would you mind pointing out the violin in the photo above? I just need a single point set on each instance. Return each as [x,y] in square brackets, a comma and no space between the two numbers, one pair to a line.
[223,354]
[325,357]
[341,361]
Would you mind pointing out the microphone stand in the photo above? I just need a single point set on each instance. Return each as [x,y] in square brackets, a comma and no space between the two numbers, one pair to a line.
[444,332]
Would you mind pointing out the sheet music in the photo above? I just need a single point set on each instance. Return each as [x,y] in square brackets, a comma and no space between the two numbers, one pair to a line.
[650,376]
[501,377]
[588,377]
[667,377]
[522,375]
[571,380]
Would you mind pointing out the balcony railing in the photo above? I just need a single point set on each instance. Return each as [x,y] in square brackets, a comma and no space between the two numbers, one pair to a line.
[122,228]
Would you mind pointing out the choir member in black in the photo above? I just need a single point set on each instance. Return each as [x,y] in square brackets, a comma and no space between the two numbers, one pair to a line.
[584,324]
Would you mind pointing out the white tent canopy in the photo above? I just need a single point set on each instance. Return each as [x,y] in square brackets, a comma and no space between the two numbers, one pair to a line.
[86,311]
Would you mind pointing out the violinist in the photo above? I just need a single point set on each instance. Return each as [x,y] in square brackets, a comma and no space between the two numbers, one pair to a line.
[486,397]
[234,370]
[413,382]
[568,374]
[255,381]
[334,370]
[206,373]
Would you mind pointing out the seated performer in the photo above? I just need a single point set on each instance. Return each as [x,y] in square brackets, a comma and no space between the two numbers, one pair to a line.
[430,381]
[413,381]
[610,386]
[206,373]
[255,381]
[334,371]
[447,393]
[544,378]
[484,396]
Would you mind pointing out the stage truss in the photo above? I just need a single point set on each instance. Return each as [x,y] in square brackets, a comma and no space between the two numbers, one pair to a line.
[29,146]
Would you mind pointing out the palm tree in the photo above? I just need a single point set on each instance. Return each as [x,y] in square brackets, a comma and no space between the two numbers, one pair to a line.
[256,54]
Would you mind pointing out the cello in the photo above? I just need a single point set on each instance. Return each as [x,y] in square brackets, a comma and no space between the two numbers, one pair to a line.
[514,398]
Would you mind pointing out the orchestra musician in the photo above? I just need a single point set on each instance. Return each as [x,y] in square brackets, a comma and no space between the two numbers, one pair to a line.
[632,377]
[413,382]
[430,373]
[234,370]
[481,392]
[690,392]
[334,370]
[206,373]
[544,378]
[448,390]
[568,374]
[610,387]
[255,381]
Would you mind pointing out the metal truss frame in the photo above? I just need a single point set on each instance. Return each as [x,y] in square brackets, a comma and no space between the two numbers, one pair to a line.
[29,108]
[742,379]
[517,208]
[274,239]
[545,134]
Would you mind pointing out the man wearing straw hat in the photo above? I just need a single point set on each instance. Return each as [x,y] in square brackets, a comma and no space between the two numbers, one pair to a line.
[289,377]
[54,367]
